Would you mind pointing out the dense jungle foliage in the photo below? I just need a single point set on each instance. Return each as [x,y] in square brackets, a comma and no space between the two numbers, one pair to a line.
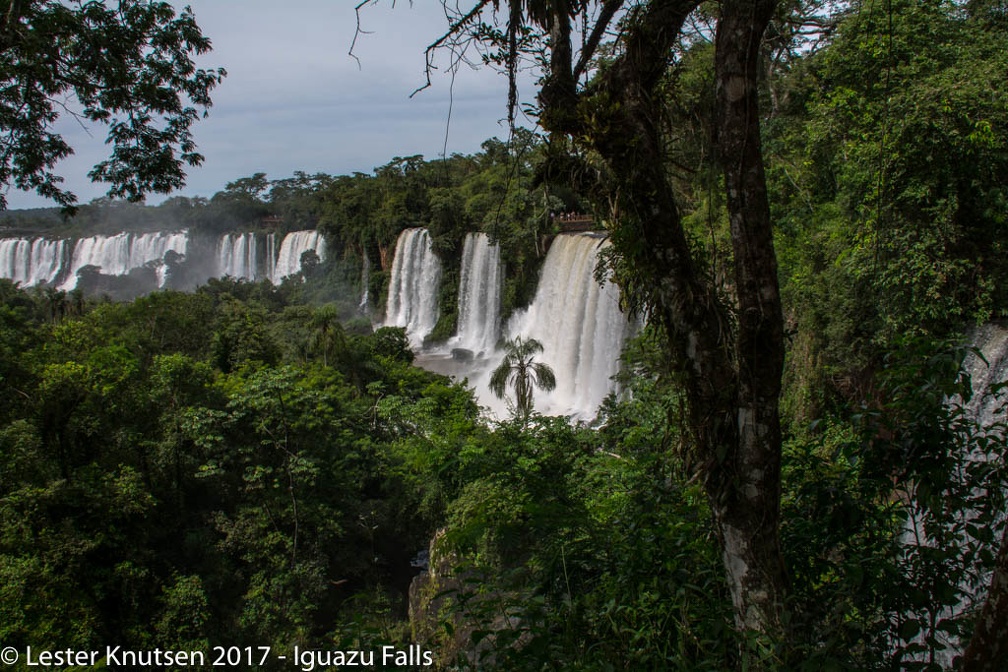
[249,465]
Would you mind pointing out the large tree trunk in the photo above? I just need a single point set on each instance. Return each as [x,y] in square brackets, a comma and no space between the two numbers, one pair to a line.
[988,648]
[732,369]
[748,486]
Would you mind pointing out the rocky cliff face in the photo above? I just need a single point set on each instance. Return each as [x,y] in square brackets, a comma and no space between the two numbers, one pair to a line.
[456,613]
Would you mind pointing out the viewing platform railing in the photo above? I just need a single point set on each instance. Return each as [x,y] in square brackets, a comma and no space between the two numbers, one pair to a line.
[575,222]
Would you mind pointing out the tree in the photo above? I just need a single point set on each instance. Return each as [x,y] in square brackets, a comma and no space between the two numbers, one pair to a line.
[252,189]
[988,648]
[327,335]
[892,87]
[727,341]
[310,265]
[521,370]
[129,68]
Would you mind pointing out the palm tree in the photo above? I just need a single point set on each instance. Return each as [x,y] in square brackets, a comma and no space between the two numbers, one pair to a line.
[56,301]
[326,335]
[520,369]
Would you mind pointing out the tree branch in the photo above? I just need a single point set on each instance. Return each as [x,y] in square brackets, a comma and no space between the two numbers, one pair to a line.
[609,9]
[452,32]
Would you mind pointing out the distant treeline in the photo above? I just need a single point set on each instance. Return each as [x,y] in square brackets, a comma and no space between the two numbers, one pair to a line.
[499,190]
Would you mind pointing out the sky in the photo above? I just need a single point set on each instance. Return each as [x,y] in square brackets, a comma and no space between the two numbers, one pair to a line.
[294,99]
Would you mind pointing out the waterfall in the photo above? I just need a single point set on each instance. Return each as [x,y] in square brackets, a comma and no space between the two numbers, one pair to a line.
[579,323]
[365,299]
[479,295]
[577,320]
[416,277]
[288,261]
[987,367]
[271,256]
[31,261]
[118,254]
[237,256]
[987,370]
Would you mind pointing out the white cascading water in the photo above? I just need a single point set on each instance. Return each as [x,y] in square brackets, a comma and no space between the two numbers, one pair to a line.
[987,366]
[271,255]
[413,289]
[577,320]
[288,261]
[579,323]
[365,299]
[31,261]
[118,254]
[479,295]
[237,256]
[987,371]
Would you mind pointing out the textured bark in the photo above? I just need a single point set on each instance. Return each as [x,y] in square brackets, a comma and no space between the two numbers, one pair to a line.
[750,512]
[732,368]
[988,648]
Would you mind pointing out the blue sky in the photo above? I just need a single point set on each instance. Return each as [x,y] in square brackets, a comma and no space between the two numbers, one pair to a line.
[294,99]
